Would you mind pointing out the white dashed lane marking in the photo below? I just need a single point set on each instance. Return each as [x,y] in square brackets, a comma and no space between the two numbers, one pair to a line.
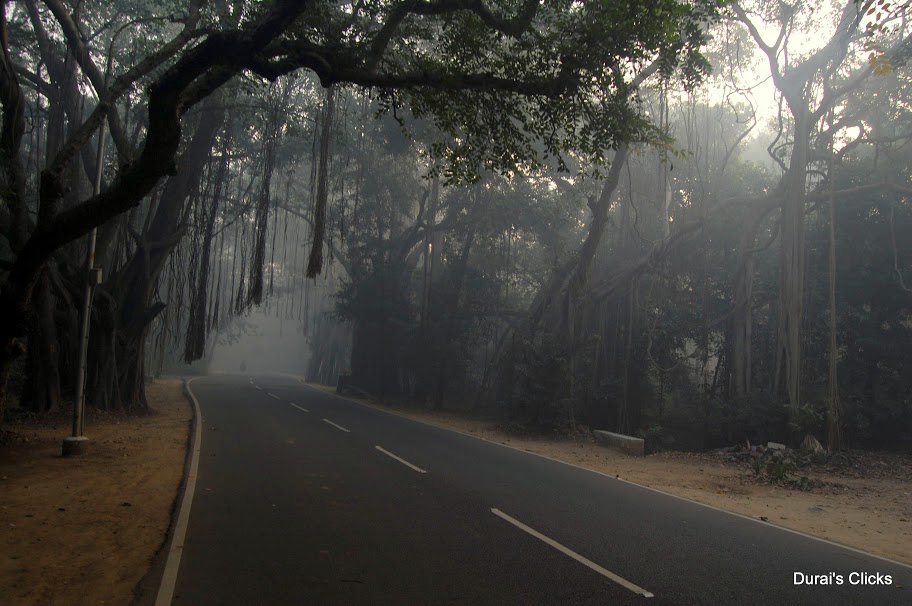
[400,459]
[337,426]
[581,559]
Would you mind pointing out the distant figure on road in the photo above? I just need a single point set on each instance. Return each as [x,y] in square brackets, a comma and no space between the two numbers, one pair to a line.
[243,365]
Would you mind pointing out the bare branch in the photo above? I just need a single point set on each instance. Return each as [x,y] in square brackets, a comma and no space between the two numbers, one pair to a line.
[80,50]
[167,102]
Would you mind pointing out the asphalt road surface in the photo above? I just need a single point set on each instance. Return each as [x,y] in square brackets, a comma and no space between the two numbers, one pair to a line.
[307,498]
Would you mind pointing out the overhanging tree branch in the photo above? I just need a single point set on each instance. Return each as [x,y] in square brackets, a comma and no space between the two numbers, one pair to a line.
[514,27]
[205,67]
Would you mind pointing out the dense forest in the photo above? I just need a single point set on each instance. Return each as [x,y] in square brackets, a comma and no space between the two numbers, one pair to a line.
[689,221]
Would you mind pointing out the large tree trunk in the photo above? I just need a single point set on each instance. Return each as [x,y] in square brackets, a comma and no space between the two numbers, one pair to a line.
[795,84]
[42,389]
[119,329]
[787,375]
[48,372]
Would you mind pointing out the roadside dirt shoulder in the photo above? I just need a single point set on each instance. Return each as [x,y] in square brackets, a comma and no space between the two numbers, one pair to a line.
[85,529]
[870,513]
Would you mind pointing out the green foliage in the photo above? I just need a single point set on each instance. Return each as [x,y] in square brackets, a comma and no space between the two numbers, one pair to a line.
[755,417]
[543,372]
[558,91]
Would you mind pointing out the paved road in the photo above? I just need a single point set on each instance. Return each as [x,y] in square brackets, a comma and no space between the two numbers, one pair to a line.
[306,498]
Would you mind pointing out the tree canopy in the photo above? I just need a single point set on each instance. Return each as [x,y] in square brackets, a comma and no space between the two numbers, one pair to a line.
[687,220]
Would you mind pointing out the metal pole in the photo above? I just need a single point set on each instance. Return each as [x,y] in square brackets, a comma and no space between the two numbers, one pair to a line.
[73,444]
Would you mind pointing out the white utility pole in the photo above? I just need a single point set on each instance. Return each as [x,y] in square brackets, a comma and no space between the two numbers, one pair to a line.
[77,443]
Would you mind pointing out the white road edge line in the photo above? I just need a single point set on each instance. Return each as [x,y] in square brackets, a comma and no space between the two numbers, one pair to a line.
[337,426]
[175,550]
[298,407]
[567,551]
[401,460]
[770,525]
[272,395]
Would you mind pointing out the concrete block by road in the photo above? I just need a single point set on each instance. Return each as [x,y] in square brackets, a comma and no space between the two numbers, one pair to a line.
[617,441]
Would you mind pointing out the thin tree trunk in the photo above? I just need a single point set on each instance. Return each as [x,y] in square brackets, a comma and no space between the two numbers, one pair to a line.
[834,421]
[624,413]
[740,350]
[315,259]
[197,326]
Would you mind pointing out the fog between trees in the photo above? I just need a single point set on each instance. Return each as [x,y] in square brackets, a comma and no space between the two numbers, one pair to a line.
[686,222]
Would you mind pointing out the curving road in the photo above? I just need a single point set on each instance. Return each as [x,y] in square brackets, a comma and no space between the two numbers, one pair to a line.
[307,498]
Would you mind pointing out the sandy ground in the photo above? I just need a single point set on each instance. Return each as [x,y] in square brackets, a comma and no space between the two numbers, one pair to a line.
[84,530]
[865,510]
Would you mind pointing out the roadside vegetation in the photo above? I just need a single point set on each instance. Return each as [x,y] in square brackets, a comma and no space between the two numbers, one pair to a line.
[685,221]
